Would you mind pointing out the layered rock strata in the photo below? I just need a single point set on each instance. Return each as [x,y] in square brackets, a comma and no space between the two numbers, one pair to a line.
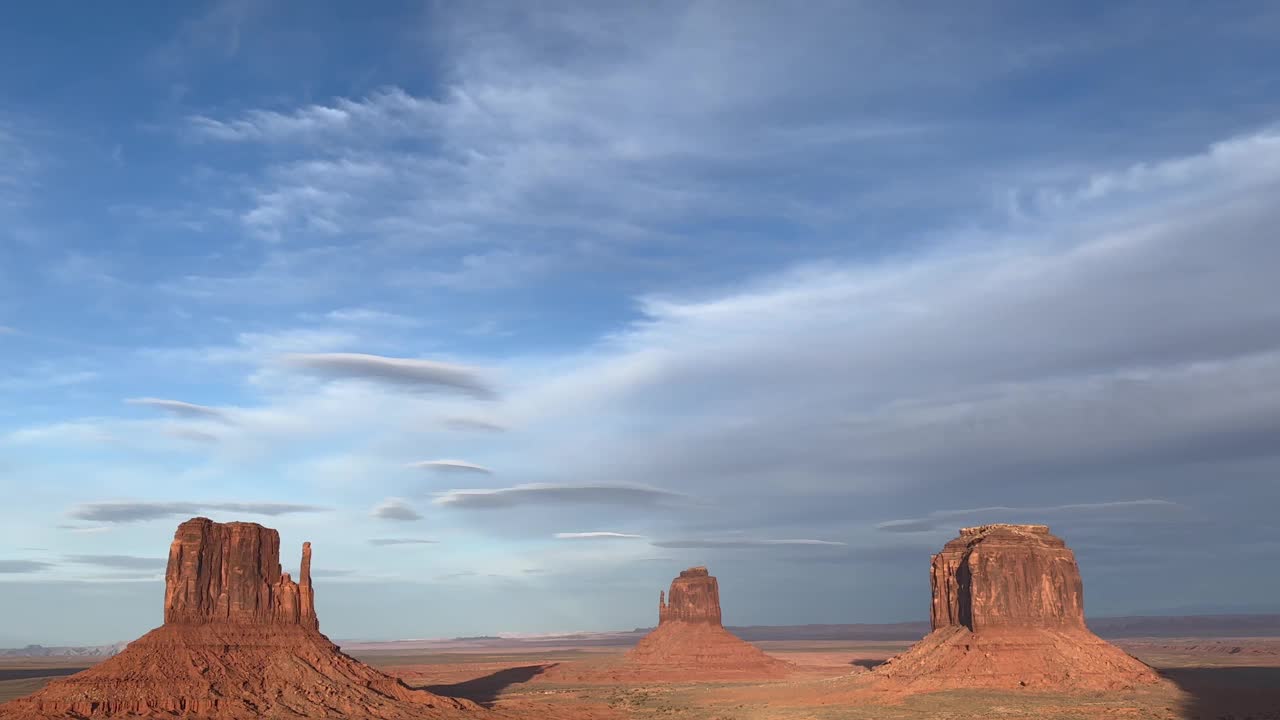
[1008,612]
[691,639]
[240,640]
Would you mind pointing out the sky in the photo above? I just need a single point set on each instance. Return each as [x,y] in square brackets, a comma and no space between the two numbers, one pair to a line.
[516,310]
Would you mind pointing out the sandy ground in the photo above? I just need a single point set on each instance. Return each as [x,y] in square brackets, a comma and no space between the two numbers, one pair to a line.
[1208,679]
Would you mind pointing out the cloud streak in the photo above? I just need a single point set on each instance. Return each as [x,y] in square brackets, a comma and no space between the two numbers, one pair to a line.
[597,535]
[181,409]
[19,567]
[742,543]
[551,494]
[451,466]
[940,518]
[396,509]
[402,541]
[398,372]
[464,423]
[122,562]
[128,511]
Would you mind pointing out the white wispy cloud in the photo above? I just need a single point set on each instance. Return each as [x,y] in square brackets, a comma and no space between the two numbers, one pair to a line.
[553,494]
[182,409]
[23,566]
[941,518]
[405,372]
[131,511]
[733,543]
[451,466]
[46,378]
[390,111]
[396,509]
[596,535]
[402,541]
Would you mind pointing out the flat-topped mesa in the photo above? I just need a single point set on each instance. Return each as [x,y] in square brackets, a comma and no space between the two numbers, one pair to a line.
[694,598]
[1008,613]
[1006,576]
[229,573]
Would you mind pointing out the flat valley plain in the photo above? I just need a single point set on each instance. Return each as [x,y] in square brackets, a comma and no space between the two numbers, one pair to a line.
[581,678]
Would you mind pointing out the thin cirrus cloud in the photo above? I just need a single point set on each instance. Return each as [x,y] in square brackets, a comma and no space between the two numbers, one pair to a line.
[84,529]
[451,466]
[729,544]
[17,567]
[126,512]
[120,562]
[396,509]
[465,423]
[549,494]
[401,541]
[940,518]
[192,435]
[182,409]
[597,535]
[399,372]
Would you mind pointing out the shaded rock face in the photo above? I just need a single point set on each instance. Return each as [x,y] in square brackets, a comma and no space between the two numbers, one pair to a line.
[694,597]
[230,573]
[240,640]
[1008,612]
[1006,575]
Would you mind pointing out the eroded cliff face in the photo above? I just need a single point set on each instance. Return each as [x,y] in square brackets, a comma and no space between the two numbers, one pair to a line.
[1006,575]
[240,640]
[230,573]
[694,598]
[690,640]
[1008,612]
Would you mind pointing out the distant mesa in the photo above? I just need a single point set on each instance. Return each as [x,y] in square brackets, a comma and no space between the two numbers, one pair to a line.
[690,638]
[1008,612]
[240,639]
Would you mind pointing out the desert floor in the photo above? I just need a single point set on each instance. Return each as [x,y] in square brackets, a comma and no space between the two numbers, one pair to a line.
[1235,678]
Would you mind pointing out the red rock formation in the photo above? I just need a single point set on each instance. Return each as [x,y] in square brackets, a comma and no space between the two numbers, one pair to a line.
[230,573]
[240,640]
[1005,575]
[1008,611]
[691,641]
[695,598]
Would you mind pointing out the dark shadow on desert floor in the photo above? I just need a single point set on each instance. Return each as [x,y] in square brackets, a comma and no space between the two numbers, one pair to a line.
[1228,693]
[28,673]
[485,690]
[867,663]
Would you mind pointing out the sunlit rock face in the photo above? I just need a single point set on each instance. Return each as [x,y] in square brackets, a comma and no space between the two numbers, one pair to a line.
[239,640]
[230,573]
[1006,575]
[694,597]
[1008,612]
[691,641]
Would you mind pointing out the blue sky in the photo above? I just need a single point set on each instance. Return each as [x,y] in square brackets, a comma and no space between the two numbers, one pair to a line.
[791,294]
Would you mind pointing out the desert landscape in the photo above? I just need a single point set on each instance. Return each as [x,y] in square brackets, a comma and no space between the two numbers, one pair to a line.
[390,360]
[1008,638]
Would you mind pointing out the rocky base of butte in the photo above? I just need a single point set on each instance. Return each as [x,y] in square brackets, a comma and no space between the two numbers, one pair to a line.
[240,640]
[690,638]
[1008,612]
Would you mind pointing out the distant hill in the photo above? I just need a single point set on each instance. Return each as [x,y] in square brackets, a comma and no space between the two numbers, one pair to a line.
[1165,626]
[1137,626]
[91,651]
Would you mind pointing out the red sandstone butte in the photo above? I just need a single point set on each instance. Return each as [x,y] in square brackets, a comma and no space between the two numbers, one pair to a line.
[240,640]
[691,640]
[1008,612]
